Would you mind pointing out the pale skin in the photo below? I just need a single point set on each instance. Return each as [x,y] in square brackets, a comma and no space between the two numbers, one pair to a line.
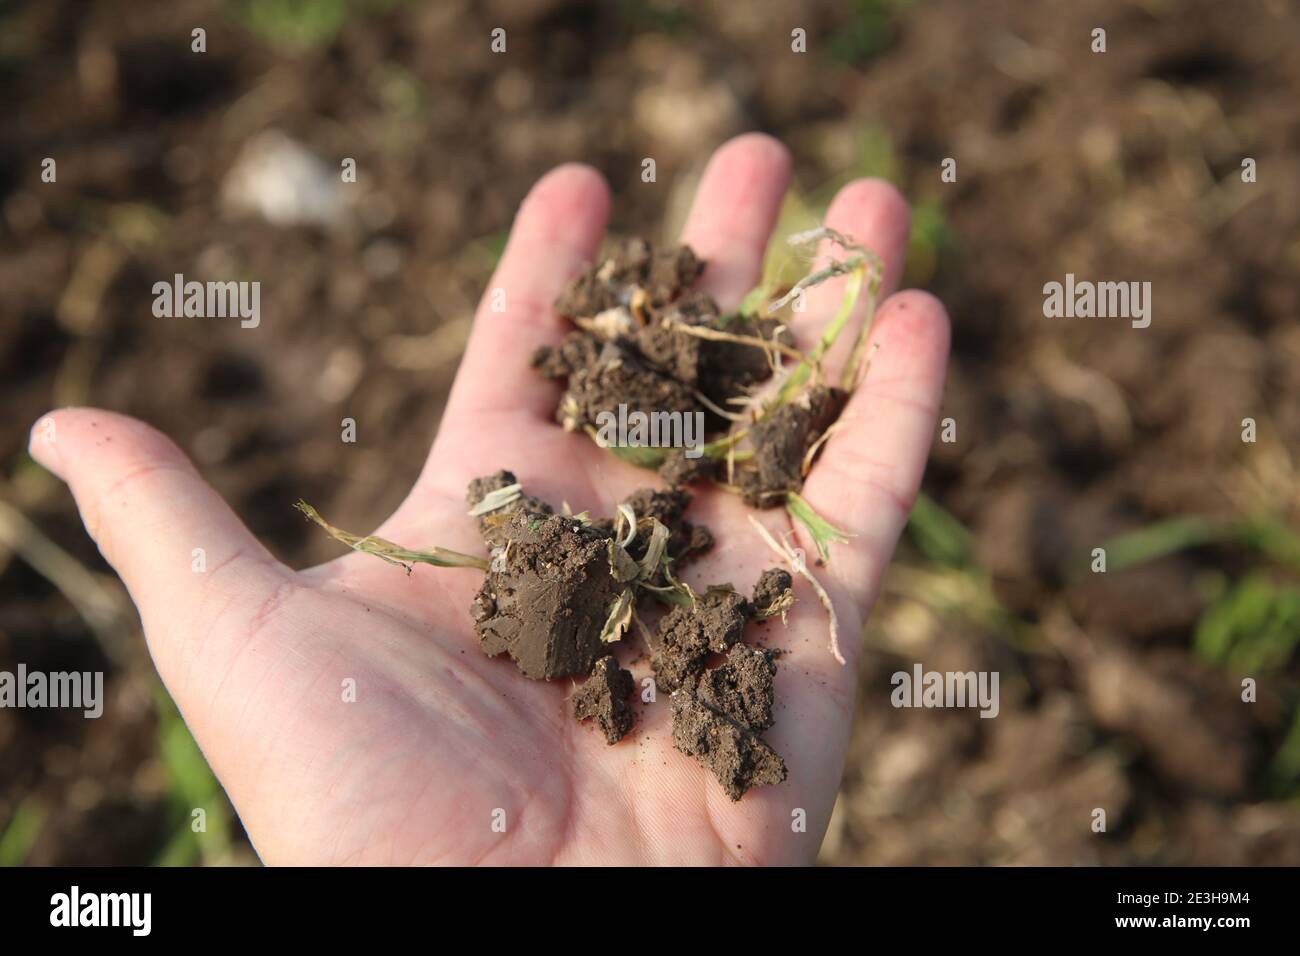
[442,742]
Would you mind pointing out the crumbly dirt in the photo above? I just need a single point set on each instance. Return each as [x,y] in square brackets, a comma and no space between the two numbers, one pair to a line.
[731,370]
[666,347]
[721,370]
[619,377]
[772,588]
[718,713]
[782,440]
[634,264]
[548,604]
[736,755]
[678,470]
[603,698]
[685,540]
[687,635]
[632,348]
[490,525]
[545,602]
[741,688]
[546,599]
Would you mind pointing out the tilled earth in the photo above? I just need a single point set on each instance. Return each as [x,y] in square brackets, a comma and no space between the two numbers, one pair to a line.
[1123,165]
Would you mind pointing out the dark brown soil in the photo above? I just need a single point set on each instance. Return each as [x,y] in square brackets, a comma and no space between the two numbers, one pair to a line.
[579,350]
[634,266]
[741,688]
[678,469]
[546,599]
[491,526]
[547,605]
[772,593]
[686,541]
[688,635]
[719,712]
[604,698]
[720,370]
[632,352]
[735,754]
[550,587]
[619,377]
[781,442]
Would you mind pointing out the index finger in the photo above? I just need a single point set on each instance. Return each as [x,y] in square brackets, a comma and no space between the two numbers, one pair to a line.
[557,231]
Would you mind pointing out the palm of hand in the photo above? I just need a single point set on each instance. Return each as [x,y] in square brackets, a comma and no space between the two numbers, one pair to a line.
[348,710]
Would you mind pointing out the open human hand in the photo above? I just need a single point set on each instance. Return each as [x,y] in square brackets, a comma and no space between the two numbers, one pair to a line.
[443,745]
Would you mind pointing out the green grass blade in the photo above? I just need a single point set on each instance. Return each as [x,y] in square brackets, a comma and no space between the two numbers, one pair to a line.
[824,534]
[21,832]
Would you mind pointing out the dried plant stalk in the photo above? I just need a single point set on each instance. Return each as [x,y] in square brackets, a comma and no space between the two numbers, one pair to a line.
[800,568]
[394,553]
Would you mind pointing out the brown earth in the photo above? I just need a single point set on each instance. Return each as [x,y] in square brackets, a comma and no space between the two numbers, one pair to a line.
[1121,166]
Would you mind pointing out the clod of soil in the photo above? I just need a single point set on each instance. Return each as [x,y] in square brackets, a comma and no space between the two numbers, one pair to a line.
[741,688]
[781,442]
[550,588]
[718,713]
[546,599]
[648,343]
[678,470]
[687,635]
[618,376]
[730,370]
[772,593]
[490,524]
[685,540]
[635,265]
[721,370]
[561,588]
[633,347]
[736,755]
[604,698]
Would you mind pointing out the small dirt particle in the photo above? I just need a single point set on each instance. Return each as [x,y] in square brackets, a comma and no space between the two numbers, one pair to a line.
[771,589]
[604,698]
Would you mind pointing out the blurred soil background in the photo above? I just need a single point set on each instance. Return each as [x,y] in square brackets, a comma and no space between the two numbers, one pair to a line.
[1120,690]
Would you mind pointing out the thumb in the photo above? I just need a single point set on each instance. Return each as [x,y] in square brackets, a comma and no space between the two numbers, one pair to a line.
[177,546]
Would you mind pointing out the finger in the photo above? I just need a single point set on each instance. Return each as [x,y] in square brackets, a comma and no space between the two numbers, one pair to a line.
[870,469]
[179,549]
[556,232]
[875,214]
[736,205]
